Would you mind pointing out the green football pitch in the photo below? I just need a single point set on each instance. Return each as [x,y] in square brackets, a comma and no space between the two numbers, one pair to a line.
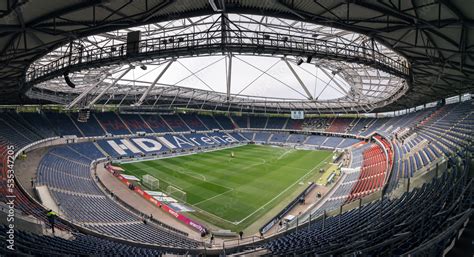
[233,192]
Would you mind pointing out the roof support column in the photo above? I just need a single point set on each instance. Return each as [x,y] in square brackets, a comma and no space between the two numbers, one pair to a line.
[310,97]
[229,76]
[109,86]
[84,94]
[148,90]
[335,81]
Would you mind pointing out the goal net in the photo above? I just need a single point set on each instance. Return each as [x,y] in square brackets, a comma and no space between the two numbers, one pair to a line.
[150,182]
[176,193]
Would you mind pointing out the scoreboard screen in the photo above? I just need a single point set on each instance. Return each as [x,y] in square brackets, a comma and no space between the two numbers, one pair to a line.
[297,115]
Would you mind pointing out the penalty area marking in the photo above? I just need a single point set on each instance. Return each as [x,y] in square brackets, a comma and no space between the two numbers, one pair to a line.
[192,174]
[187,173]
[194,205]
[230,190]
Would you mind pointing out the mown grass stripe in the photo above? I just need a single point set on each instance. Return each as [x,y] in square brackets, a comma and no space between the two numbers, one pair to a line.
[233,188]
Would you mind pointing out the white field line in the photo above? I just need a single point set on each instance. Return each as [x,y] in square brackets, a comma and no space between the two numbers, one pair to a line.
[299,180]
[211,214]
[199,209]
[263,162]
[213,197]
[160,179]
[285,153]
[286,166]
[192,174]
[231,189]
[179,171]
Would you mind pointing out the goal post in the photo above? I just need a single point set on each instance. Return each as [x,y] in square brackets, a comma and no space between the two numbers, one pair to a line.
[176,193]
[150,182]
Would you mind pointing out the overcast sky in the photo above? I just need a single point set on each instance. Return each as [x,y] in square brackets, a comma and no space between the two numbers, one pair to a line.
[247,78]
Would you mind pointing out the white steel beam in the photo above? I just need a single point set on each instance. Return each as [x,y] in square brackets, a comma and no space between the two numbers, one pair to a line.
[310,97]
[84,94]
[108,87]
[335,81]
[229,76]
[148,90]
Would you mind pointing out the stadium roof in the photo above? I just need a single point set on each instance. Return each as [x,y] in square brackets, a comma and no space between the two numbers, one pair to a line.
[436,37]
[232,62]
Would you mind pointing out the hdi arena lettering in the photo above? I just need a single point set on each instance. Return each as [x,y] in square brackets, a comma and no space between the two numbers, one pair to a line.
[163,143]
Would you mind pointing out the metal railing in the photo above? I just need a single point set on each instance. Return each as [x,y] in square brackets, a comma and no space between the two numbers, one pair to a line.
[215,41]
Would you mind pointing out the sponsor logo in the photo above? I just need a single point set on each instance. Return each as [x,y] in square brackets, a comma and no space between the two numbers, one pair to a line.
[173,213]
[148,145]
[197,226]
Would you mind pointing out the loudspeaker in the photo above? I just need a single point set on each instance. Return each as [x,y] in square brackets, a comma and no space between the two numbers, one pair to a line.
[299,62]
[308,60]
[133,40]
[68,81]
